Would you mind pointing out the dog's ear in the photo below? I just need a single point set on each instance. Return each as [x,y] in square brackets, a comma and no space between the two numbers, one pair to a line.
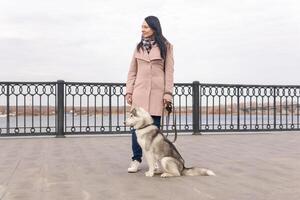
[133,112]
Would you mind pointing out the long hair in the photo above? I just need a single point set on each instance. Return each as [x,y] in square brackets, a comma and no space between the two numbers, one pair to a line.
[161,41]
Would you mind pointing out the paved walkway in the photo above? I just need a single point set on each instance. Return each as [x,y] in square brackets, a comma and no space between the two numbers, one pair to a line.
[252,167]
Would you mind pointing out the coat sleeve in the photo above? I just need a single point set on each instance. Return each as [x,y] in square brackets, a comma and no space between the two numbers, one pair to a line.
[169,74]
[131,75]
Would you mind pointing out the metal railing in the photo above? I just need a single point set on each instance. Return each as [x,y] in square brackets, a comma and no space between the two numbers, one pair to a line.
[247,108]
[60,108]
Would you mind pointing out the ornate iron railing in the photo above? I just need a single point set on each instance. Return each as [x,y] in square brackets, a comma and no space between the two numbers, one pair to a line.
[248,107]
[28,108]
[59,108]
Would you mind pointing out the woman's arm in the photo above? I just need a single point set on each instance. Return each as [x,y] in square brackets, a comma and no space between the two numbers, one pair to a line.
[169,74]
[131,78]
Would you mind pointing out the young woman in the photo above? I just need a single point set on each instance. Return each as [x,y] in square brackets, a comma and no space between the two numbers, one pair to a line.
[150,78]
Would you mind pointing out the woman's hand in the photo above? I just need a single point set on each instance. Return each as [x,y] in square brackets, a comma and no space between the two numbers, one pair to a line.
[166,102]
[129,98]
[168,105]
[167,99]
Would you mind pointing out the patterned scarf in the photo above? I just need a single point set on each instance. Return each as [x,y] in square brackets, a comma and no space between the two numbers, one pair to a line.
[148,43]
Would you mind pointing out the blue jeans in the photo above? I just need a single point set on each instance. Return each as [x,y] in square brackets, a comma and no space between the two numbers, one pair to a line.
[136,149]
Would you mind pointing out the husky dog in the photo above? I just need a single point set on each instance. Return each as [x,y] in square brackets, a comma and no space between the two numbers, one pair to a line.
[158,149]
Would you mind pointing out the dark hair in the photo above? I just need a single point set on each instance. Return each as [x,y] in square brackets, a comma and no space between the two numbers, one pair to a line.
[161,41]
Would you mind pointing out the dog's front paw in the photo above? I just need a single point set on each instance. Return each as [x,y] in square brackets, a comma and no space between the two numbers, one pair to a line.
[149,174]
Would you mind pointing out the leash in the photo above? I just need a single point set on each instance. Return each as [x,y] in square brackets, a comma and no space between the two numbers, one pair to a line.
[169,109]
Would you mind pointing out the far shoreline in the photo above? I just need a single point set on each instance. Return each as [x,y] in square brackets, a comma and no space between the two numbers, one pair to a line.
[114,110]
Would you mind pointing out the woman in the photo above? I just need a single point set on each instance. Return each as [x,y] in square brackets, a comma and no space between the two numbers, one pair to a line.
[150,78]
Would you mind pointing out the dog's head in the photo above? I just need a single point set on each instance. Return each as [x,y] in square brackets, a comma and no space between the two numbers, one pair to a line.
[138,118]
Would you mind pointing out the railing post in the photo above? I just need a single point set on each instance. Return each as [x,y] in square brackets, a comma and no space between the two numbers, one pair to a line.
[110,109]
[60,97]
[274,114]
[7,110]
[195,98]
[238,108]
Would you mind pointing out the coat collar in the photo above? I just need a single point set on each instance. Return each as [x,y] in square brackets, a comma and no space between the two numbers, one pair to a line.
[154,54]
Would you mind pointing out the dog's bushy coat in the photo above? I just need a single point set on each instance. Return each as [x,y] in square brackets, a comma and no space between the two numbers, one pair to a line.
[158,149]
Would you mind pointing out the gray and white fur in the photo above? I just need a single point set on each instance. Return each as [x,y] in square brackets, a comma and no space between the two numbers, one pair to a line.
[158,149]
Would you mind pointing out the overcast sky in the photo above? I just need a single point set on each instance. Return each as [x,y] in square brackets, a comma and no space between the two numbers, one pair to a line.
[215,41]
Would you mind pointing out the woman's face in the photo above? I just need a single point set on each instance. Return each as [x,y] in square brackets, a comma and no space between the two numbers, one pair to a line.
[146,30]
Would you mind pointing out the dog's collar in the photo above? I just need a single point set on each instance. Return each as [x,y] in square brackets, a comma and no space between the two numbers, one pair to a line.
[145,126]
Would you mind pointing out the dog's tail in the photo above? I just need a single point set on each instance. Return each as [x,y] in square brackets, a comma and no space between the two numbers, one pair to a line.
[197,171]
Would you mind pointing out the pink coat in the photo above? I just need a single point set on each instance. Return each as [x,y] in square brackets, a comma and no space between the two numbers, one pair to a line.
[146,79]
